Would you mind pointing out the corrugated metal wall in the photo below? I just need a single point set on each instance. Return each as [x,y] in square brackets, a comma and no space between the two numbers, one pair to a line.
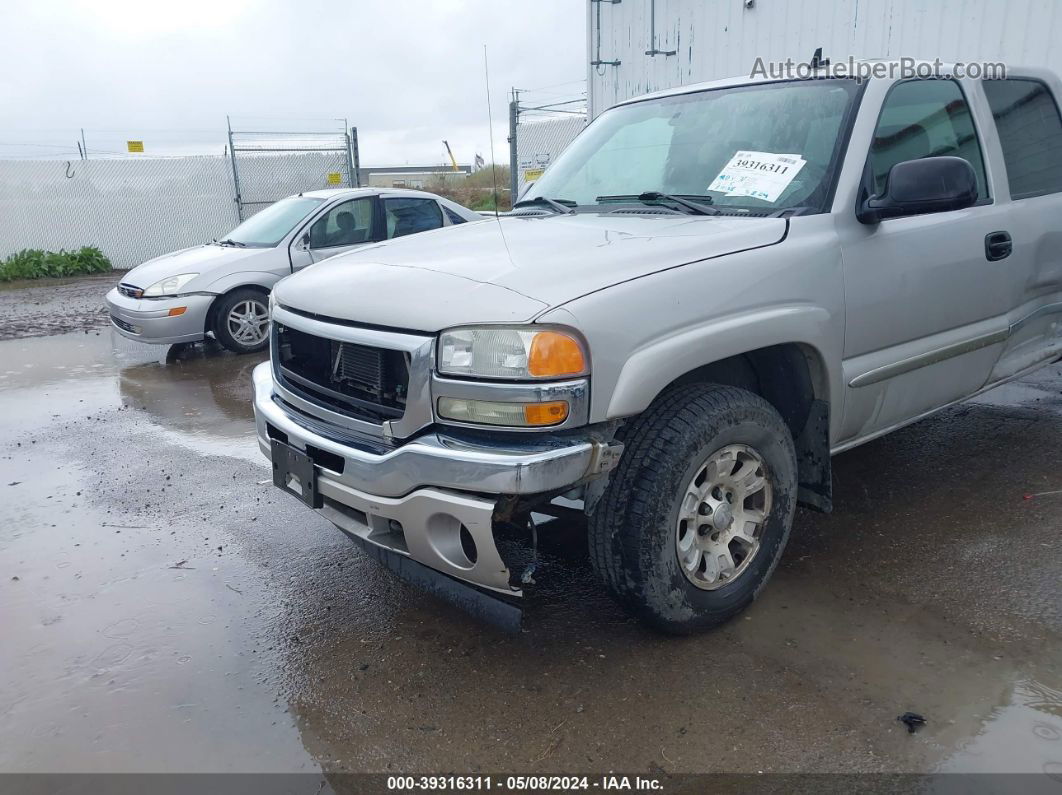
[722,38]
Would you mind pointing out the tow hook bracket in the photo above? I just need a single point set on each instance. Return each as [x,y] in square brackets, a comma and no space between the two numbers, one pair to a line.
[606,457]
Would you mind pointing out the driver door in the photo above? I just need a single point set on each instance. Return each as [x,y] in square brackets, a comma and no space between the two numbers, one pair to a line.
[924,305]
[341,228]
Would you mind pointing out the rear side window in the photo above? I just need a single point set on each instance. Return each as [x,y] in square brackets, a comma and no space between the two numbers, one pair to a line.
[454,217]
[407,216]
[1030,133]
[925,118]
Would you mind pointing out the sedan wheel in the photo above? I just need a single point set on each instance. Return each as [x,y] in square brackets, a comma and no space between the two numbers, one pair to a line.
[248,322]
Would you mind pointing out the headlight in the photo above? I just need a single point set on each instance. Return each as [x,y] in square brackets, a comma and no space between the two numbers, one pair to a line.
[511,353]
[169,286]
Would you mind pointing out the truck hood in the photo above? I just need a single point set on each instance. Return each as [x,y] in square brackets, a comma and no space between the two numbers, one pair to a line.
[204,259]
[511,268]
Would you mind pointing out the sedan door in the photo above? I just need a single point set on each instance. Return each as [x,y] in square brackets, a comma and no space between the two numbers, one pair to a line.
[341,228]
[926,308]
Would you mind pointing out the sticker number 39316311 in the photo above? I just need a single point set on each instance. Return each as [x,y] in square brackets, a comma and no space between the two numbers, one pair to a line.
[759,175]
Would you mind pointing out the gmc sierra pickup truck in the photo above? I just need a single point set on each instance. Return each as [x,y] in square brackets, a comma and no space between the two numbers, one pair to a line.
[713,290]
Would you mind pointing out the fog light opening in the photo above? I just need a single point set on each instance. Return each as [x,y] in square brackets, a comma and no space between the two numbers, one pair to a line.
[468,545]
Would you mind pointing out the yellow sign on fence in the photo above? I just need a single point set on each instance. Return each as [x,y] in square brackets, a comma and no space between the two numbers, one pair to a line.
[532,174]
[335,178]
[134,146]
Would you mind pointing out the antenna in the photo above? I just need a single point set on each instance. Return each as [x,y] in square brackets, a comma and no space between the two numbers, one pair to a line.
[490,128]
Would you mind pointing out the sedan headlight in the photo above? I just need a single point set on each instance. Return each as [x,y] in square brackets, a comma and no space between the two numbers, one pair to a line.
[511,353]
[171,285]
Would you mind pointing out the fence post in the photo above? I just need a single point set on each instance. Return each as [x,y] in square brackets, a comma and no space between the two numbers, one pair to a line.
[235,175]
[514,116]
[354,157]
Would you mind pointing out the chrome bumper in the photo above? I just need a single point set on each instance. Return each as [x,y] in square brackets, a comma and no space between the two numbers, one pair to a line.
[403,497]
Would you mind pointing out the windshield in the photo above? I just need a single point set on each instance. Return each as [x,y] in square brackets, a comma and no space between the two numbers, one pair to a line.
[268,227]
[762,147]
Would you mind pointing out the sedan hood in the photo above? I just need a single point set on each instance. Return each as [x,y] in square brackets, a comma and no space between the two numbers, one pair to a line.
[197,259]
[511,268]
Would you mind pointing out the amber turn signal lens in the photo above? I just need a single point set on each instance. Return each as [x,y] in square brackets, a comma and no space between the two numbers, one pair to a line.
[554,354]
[177,310]
[546,413]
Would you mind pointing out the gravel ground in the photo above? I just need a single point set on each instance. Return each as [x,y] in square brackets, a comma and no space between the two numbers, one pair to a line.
[54,306]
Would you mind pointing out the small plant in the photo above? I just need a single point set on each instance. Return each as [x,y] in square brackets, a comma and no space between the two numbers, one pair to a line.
[35,263]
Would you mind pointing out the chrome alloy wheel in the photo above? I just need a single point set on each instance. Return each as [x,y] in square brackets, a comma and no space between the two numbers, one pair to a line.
[248,322]
[721,516]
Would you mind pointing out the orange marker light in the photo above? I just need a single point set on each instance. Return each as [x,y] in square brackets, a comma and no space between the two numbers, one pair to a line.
[554,354]
[546,413]
[177,310]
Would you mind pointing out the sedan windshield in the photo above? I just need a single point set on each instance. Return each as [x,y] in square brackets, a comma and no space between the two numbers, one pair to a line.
[268,227]
[764,147]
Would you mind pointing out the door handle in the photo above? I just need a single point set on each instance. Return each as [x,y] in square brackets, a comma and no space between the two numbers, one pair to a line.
[998,245]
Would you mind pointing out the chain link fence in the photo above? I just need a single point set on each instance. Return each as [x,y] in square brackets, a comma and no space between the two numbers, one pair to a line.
[537,135]
[136,208]
[264,171]
[132,209]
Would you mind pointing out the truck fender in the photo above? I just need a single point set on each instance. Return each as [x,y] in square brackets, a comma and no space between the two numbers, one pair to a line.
[655,365]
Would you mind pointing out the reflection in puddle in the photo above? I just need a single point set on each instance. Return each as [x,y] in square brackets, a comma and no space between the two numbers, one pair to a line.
[1025,736]
[198,396]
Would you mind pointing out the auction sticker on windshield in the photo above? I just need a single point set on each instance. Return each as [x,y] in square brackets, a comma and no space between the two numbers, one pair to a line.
[760,175]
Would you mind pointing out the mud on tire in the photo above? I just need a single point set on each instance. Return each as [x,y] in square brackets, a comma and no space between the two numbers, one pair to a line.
[633,530]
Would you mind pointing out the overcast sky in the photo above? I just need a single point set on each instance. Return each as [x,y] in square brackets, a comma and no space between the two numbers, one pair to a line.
[407,73]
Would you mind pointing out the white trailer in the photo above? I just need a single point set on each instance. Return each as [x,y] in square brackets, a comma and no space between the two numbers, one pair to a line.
[638,46]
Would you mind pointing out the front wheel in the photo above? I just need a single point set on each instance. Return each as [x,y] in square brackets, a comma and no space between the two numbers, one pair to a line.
[241,320]
[697,513]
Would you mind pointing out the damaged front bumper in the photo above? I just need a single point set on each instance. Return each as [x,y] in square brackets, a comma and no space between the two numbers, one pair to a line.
[431,499]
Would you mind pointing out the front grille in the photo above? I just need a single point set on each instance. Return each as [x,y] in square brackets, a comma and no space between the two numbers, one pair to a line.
[365,382]
[124,326]
[130,290]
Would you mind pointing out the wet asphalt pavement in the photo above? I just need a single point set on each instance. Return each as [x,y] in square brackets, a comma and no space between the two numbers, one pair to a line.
[164,608]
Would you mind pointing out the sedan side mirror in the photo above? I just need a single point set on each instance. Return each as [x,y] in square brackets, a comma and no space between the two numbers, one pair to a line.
[304,242]
[916,187]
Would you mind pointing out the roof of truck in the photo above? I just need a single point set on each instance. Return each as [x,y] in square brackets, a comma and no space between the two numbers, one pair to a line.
[946,67]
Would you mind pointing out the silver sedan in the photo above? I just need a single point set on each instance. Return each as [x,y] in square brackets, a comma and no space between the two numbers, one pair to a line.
[222,288]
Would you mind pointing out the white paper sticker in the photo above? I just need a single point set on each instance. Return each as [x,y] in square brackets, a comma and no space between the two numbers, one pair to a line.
[760,175]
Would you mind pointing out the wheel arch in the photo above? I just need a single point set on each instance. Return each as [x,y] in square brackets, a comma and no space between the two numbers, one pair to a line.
[794,378]
[211,314]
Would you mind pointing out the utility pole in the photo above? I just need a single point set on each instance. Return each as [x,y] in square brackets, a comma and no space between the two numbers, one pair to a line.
[514,118]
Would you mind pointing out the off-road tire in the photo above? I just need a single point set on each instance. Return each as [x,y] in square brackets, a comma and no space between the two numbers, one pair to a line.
[632,529]
[224,306]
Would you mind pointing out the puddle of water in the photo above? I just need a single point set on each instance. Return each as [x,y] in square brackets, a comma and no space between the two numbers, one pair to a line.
[197,396]
[1023,736]
[118,656]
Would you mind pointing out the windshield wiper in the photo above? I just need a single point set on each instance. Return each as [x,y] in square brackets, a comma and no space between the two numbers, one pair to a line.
[698,207]
[562,206]
[230,242]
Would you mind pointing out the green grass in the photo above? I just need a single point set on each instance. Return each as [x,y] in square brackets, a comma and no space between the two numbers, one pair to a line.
[35,263]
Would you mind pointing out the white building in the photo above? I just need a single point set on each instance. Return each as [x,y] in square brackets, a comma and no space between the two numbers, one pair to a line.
[638,46]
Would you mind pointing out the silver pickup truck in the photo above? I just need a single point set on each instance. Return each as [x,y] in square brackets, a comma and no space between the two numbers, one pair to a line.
[713,290]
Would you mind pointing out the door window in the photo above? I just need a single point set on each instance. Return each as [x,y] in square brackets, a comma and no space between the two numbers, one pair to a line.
[925,118]
[407,216]
[346,224]
[1030,133]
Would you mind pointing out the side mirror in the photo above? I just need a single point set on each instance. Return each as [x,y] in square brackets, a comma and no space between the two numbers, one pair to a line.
[304,242]
[916,187]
